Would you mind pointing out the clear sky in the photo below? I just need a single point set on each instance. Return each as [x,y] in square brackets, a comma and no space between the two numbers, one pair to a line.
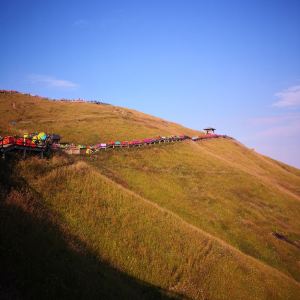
[234,65]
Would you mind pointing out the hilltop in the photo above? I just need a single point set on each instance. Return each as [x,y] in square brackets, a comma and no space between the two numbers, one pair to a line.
[79,122]
[200,220]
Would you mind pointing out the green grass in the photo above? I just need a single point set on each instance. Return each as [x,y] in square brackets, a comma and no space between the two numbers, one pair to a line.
[189,219]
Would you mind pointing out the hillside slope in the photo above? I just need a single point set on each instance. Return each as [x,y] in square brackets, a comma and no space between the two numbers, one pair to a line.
[80,122]
[200,220]
[239,203]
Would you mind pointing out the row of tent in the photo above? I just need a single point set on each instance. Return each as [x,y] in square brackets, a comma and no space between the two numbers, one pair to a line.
[32,140]
[209,136]
[80,149]
[53,141]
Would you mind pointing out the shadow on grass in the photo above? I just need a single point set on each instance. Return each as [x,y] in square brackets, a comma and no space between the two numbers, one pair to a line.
[40,261]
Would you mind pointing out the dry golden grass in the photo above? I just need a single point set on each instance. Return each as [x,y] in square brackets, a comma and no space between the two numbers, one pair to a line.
[188,219]
[80,122]
[150,243]
[221,197]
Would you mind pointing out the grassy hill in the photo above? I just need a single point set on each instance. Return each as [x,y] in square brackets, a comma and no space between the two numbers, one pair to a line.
[80,122]
[204,220]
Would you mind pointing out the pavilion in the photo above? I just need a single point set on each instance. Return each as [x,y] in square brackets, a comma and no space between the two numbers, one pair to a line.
[209,130]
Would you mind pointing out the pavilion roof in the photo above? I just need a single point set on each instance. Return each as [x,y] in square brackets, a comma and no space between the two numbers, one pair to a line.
[209,128]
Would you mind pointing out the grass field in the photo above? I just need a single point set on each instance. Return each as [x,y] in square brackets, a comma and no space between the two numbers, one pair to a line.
[185,220]
[221,197]
[80,122]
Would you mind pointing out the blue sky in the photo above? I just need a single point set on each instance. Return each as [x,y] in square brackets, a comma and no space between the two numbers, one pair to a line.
[234,65]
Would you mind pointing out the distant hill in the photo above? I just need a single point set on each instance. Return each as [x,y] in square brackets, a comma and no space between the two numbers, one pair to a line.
[198,220]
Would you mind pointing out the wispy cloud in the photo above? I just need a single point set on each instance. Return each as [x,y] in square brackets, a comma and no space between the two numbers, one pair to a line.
[51,82]
[283,130]
[81,23]
[289,97]
[284,125]
[274,120]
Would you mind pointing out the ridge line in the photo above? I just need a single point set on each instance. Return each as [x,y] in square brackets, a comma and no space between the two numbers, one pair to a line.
[194,227]
[263,178]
